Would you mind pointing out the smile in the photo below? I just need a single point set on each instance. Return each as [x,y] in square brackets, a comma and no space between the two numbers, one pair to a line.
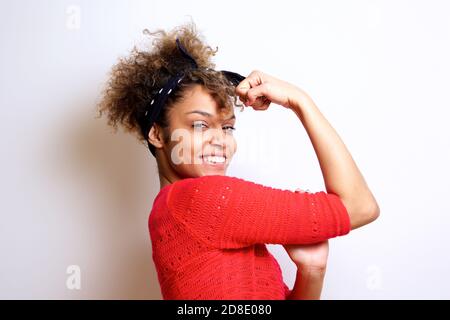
[214,159]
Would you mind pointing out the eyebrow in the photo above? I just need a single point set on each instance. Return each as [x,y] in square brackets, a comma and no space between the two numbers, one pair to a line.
[206,114]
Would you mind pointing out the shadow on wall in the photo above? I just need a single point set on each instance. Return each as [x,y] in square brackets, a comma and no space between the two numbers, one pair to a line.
[108,183]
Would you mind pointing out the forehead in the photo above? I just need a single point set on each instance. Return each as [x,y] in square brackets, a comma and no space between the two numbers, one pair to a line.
[199,99]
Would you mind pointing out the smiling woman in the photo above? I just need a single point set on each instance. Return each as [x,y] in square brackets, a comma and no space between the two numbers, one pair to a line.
[207,144]
[175,101]
[138,81]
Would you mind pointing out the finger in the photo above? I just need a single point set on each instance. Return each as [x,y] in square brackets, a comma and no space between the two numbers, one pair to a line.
[252,80]
[242,89]
[265,104]
[253,94]
[261,103]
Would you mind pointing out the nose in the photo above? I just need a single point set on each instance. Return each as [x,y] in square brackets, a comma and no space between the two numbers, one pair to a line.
[217,137]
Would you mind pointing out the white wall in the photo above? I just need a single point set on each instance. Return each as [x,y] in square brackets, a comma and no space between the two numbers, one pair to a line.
[75,194]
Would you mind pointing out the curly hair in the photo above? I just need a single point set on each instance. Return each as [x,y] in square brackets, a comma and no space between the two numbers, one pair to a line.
[136,79]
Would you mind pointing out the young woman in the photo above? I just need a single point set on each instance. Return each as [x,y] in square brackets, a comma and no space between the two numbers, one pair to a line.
[209,230]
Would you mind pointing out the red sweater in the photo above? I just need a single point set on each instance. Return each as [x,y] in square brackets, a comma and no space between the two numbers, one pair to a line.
[209,233]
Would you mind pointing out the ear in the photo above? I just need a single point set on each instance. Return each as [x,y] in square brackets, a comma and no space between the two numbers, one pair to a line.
[155,136]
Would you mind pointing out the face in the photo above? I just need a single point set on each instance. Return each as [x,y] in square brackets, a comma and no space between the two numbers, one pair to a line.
[201,138]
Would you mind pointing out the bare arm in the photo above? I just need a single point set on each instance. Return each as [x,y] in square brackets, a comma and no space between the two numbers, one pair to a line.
[311,261]
[308,284]
[341,175]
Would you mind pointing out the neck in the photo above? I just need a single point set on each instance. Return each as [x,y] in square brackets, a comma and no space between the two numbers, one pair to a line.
[164,180]
[166,173]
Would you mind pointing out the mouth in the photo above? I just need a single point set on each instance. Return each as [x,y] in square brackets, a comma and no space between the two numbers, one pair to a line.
[214,159]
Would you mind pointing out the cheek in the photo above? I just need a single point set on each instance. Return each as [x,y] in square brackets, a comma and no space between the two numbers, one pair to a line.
[181,148]
[231,146]
[197,145]
[194,149]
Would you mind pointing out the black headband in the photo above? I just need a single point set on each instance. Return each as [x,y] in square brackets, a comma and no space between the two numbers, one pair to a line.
[153,109]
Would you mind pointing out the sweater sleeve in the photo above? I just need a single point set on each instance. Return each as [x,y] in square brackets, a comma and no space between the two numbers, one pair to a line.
[229,212]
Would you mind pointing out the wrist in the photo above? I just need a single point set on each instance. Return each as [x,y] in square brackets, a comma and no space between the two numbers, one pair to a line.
[300,101]
[308,284]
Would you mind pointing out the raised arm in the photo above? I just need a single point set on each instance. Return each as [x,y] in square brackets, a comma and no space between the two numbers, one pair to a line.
[341,175]
[340,172]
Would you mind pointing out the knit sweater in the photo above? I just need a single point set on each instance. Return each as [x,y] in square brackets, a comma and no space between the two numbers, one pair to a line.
[209,235]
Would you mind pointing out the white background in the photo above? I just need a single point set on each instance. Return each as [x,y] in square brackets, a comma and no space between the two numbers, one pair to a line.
[74,193]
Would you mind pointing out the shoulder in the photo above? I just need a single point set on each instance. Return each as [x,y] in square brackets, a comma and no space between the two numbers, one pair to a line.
[213,188]
[157,211]
[209,181]
[206,188]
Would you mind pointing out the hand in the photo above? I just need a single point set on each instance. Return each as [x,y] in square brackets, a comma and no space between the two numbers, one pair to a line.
[313,257]
[258,90]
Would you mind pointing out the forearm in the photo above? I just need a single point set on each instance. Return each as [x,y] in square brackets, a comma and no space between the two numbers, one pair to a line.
[308,284]
[340,172]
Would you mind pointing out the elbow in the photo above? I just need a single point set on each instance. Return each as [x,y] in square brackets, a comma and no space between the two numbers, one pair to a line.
[360,215]
[370,214]
[373,213]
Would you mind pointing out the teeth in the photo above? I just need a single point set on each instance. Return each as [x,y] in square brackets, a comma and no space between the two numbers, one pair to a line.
[214,159]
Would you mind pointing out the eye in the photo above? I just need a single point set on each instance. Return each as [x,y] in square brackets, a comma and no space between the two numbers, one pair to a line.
[229,128]
[199,124]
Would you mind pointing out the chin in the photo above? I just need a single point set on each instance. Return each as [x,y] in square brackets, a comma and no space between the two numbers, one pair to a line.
[209,170]
[205,169]
[200,171]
